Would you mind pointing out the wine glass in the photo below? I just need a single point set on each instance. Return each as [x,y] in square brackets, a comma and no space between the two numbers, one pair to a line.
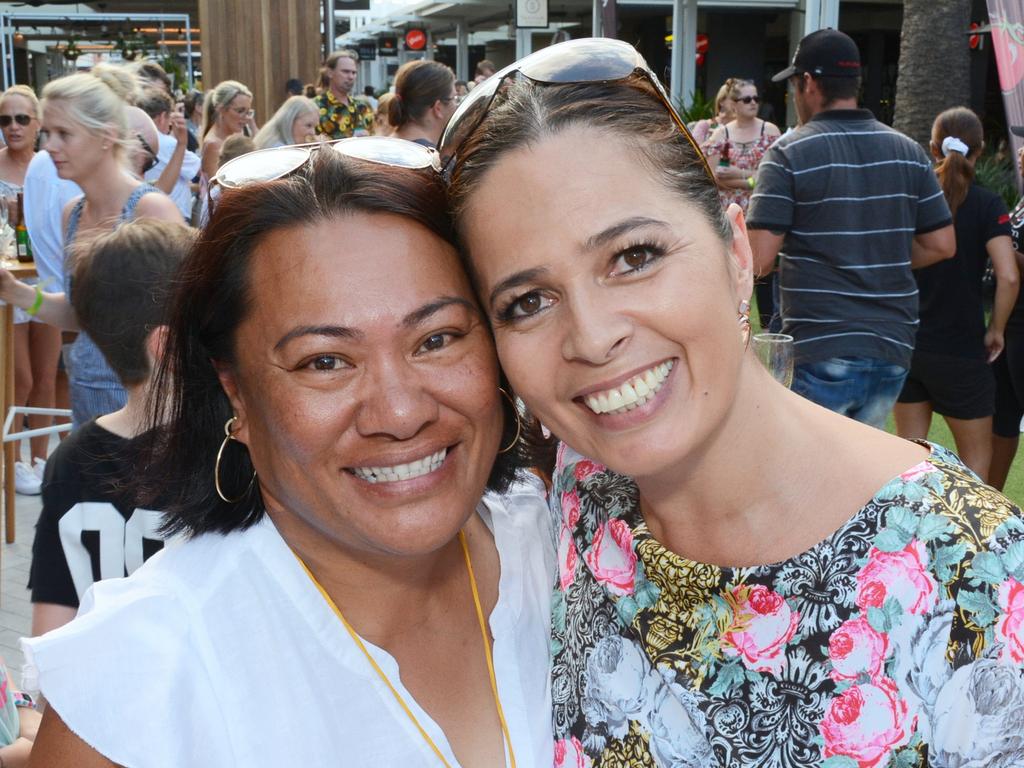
[775,351]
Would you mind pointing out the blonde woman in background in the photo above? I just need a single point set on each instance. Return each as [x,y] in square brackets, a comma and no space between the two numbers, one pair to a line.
[735,149]
[227,110]
[85,130]
[724,112]
[381,122]
[36,345]
[294,123]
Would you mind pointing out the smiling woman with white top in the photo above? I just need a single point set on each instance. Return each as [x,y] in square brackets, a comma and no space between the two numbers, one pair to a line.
[350,593]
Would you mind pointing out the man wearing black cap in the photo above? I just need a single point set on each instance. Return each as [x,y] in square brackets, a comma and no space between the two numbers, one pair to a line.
[854,206]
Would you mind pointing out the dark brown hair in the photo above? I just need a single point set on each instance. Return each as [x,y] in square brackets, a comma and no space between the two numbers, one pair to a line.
[955,171]
[418,85]
[211,301]
[833,89]
[122,284]
[630,110]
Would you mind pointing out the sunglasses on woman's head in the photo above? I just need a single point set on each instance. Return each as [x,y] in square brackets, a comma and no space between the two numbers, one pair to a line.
[276,163]
[6,120]
[588,60]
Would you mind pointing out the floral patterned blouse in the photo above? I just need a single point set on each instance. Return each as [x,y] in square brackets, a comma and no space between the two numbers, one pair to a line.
[745,155]
[898,641]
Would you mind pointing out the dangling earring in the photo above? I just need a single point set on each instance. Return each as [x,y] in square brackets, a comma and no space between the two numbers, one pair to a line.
[216,466]
[744,321]
[519,422]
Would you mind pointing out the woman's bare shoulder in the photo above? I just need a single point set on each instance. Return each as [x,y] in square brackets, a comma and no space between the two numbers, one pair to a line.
[56,746]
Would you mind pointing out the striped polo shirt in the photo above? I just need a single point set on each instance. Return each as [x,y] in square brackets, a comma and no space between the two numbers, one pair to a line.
[850,193]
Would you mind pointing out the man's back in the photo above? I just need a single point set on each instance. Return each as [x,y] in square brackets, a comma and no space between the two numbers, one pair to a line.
[850,193]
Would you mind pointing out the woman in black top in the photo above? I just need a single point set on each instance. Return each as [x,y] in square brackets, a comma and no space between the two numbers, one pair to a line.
[950,372]
[1009,368]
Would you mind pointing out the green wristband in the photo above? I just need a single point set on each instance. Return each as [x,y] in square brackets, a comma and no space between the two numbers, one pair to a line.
[37,304]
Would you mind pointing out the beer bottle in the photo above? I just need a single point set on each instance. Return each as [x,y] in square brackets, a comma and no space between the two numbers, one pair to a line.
[21,233]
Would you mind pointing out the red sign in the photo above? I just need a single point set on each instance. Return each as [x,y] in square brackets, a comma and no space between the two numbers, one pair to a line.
[415,39]
[702,48]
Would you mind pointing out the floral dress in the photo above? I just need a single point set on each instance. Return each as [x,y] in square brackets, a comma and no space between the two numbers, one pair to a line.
[745,155]
[897,641]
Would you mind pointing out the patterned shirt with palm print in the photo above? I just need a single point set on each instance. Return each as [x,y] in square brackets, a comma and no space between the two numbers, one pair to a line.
[898,641]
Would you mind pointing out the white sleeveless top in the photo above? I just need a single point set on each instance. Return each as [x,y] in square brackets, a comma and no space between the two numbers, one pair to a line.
[220,652]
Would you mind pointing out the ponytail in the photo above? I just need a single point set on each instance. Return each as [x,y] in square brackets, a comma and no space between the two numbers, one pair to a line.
[958,136]
[396,111]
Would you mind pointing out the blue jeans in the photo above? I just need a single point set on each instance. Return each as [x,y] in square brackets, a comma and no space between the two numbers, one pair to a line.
[863,388]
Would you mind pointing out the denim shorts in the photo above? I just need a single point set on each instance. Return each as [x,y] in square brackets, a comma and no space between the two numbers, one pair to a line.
[863,388]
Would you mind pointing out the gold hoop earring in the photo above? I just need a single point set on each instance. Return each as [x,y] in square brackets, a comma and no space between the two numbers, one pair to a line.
[216,466]
[744,321]
[519,422]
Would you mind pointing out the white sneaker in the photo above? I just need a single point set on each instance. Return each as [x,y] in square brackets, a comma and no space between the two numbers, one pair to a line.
[25,481]
[39,467]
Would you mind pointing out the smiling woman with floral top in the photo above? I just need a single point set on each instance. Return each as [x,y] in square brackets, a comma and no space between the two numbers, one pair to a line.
[746,579]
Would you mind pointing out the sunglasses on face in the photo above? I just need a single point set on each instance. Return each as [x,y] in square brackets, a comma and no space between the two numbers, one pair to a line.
[588,60]
[270,164]
[6,120]
[151,158]
[749,99]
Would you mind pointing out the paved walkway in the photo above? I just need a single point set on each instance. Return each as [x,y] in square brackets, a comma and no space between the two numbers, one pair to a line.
[15,605]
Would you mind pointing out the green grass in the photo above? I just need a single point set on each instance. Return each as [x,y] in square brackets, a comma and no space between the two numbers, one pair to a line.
[940,434]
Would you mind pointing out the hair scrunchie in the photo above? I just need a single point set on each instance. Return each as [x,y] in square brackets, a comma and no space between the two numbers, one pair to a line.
[953,144]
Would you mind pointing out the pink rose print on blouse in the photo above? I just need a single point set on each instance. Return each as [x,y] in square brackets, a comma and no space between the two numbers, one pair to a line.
[611,557]
[571,508]
[903,575]
[566,558]
[585,468]
[569,754]
[857,647]
[865,723]
[762,624]
[915,473]
[1010,627]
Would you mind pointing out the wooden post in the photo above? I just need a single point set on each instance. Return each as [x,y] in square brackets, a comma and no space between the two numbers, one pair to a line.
[261,43]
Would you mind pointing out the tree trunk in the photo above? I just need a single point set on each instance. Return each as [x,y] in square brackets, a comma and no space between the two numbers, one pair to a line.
[934,68]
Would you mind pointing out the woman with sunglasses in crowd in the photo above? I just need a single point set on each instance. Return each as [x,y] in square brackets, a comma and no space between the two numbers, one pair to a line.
[734,152]
[36,345]
[735,149]
[86,132]
[745,578]
[327,423]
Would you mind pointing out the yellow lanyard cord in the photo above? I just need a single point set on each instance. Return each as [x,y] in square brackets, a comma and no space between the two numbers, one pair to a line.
[394,692]
[487,650]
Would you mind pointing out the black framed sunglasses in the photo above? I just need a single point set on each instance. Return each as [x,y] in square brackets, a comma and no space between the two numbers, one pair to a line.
[278,162]
[749,99]
[6,120]
[586,60]
[151,159]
